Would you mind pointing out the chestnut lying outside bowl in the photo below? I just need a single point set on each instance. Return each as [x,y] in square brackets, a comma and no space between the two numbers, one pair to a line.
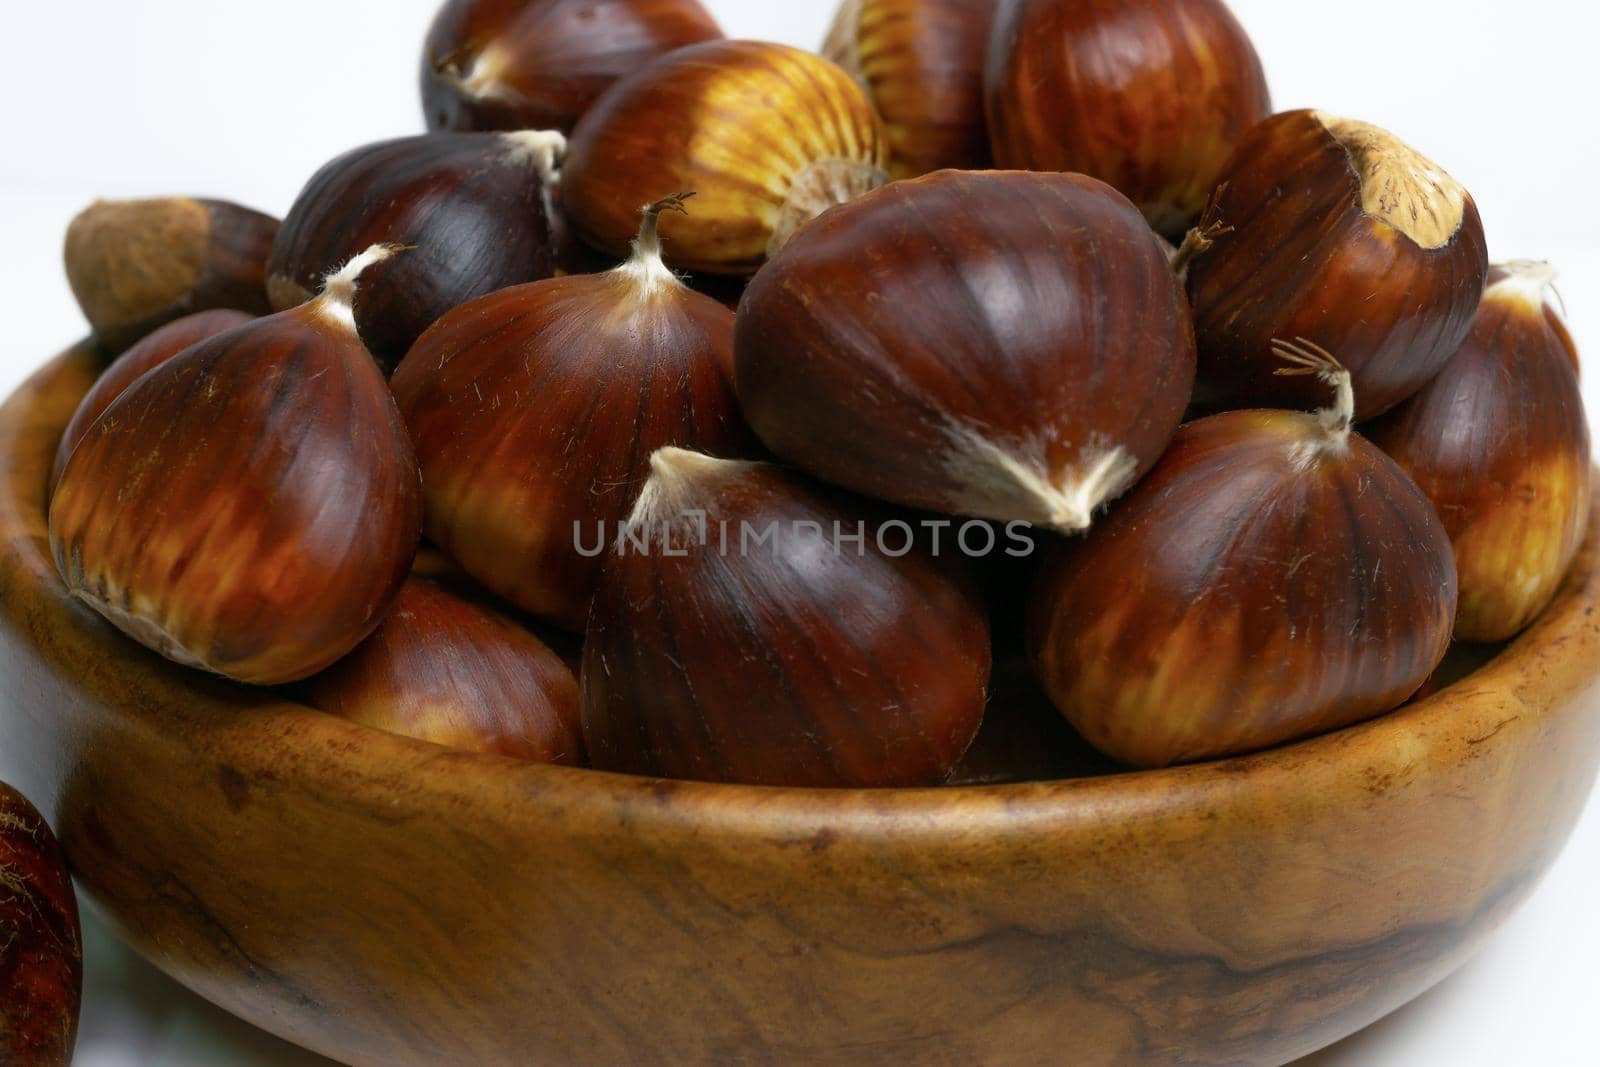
[385,901]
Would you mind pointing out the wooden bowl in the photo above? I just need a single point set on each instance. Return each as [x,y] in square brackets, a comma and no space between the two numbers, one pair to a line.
[385,901]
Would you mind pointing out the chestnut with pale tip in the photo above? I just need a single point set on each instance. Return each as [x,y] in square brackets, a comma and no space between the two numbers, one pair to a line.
[1275,577]
[251,506]
[448,668]
[1004,345]
[1150,96]
[534,412]
[921,64]
[768,135]
[473,208]
[736,637]
[136,265]
[1334,229]
[540,64]
[1499,441]
[146,355]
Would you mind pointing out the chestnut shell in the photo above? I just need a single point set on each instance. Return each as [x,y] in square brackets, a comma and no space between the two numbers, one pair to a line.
[1300,257]
[550,59]
[470,206]
[765,135]
[1249,591]
[251,506]
[535,410]
[446,667]
[1500,443]
[925,342]
[1149,96]
[783,664]
[921,64]
[41,944]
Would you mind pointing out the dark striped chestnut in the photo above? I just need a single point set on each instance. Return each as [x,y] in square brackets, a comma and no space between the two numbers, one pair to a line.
[534,412]
[539,64]
[1499,441]
[737,636]
[149,353]
[1150,96]
[921,64]
[136,265]
[472,207]
[251,506]
[1275,577]
[1335,230]
[1004,345]
[768,136]
[41,942]
[447,667]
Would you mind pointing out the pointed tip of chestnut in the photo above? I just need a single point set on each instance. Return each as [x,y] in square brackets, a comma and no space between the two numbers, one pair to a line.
[1530,281]
[338,297]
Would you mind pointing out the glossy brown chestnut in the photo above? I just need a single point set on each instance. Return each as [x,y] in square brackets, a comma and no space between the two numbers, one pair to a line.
[736,636]
[1150,96]
[921,64]
[1335,230]
[1004,345]
[471,207]
[535,410]
[1500,443]
[1276,576]
[446,667]
[136,265]
[539,64]
[769,137]
[149,353]
[251,506]
[41,947]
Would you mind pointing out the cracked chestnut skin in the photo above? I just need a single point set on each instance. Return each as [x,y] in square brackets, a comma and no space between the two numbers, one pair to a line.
[1150,96]
[41,945]
[1499,441]
[1248,592]
[1303,256]
[973,343]
[921,64]
[786,663]
[540,64]
[766,136]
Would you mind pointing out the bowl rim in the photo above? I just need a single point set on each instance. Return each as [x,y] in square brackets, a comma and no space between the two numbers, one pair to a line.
[264,735]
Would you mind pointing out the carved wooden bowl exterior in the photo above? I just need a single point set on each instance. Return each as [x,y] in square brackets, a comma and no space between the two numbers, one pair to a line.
[387,902]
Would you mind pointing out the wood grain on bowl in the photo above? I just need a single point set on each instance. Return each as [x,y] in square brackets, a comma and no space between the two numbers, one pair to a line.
[385,901]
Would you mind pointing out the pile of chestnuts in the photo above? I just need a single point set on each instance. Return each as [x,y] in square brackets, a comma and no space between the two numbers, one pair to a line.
[1004,392]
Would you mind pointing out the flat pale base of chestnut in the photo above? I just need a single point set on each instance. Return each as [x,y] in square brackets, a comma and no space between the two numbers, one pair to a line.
[387,902]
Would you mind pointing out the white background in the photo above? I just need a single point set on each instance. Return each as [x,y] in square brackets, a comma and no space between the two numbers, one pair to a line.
[245,100]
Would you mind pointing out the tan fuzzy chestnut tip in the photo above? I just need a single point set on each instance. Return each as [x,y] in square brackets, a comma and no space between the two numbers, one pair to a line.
[1400,185]
[129,260]
[822,185]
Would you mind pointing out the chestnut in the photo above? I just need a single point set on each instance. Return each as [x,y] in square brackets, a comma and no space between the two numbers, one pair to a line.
[1148,95]
[251,506]
[534,412]
[1500,443]
[136,265]
[1276,576]
[446,667]
[538,64]
[769,136]
[751,628]
[471,206]
[149,353]
[921,64]
[1004,345]
[1335,230]
[41,944]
